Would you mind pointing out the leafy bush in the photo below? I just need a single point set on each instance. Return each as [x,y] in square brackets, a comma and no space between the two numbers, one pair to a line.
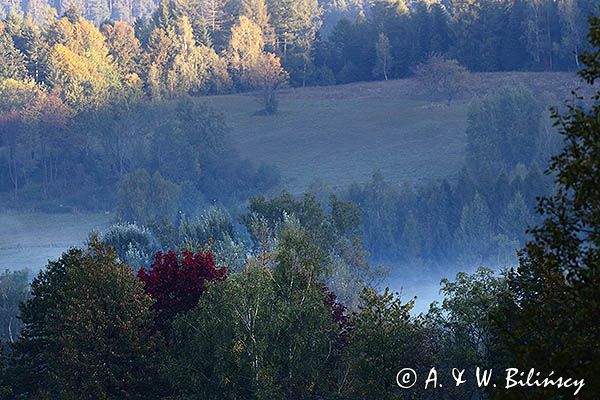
[144,198]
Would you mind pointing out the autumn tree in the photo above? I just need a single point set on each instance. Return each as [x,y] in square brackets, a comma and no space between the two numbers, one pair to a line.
[176,65]
[156,61]
[246,46]
[123,46]
[176,282]
[80,63]
[268,76]
[86,331]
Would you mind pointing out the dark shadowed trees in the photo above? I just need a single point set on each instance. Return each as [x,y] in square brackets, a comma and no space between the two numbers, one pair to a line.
[547,320]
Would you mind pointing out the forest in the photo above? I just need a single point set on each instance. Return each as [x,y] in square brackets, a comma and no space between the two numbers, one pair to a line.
[217,279]
[100,113]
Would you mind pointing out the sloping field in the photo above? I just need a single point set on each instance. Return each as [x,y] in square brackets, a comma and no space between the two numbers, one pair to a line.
[337,135]
[341,134]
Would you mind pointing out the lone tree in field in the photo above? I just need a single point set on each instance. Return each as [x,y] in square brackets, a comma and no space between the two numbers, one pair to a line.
[442,77]
[268,76]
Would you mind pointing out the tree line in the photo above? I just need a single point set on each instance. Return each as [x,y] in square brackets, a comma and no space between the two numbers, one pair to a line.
[481,214]
[164,157]
[207,46]
[390,39]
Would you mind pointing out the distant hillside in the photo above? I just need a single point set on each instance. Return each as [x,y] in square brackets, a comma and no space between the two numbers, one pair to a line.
[341,134]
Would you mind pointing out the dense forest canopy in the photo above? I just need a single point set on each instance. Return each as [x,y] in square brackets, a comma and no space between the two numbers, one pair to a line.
[173,47]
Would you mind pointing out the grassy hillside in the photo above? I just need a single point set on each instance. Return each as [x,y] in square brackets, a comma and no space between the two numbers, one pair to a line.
[341,134]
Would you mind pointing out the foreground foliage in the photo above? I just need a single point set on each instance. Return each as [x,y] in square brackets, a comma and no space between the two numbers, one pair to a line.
[548,320]
[86,331]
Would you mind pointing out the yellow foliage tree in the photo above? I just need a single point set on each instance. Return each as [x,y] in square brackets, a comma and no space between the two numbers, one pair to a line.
[246,46]
[268,76]
[80,63]
[177,65]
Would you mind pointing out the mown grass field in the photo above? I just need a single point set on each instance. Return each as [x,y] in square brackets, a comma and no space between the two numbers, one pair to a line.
[340,134]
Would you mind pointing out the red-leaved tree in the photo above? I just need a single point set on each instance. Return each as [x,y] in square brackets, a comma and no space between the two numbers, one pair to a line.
[339,315]
[176,282]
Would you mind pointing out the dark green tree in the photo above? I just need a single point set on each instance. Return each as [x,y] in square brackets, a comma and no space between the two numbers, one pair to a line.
[14,289]
[384,338]
[86,331]
[12,62]
[555,292]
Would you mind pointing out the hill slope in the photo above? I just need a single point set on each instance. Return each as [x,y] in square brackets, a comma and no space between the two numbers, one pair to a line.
[341,134]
